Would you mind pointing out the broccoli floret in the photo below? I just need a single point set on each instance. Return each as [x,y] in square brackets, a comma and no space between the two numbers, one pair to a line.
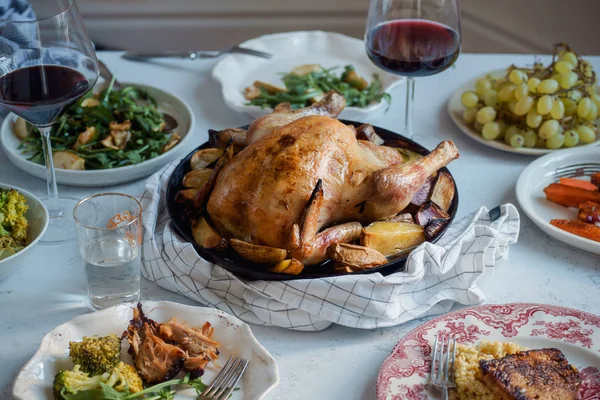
[74,381]
[96,355]
[12,214]
[125,378]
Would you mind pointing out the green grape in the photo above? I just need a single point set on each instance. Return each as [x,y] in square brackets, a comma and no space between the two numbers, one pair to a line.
[524,105]
[541,143]
[570,106]
[576,95]
[584,107]
[512,105]
[530,138]
[485,115]
[517,141]
[517,76]
[592,90]
[522,90]
[596,99]
[558,109]
[586,134]
[469,99]
[533,119]
[563,67]
[510,132]
[555,142]
[570,57]
[548,86]
[482,85]
[507,92]
[588,72]
[490,98]
[469,115]
[478,127]
[593,114]
[544,105]
[568,80]
[491,131]
[571,138]
[532,84]
[498,83]
[549,128]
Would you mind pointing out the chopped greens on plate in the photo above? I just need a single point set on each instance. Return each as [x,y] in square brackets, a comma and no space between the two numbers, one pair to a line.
[307,84]
[109,129]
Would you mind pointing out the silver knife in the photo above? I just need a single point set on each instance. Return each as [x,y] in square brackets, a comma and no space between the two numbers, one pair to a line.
[192,55]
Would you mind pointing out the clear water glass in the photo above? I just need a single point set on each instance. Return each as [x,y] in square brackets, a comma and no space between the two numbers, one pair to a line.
[109,237]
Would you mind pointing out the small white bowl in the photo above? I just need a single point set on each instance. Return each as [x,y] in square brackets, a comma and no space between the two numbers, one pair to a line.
[167,102]
[235,71]
[37,217]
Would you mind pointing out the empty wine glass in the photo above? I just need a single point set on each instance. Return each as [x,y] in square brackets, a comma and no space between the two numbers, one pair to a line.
[413,38]
[46,65]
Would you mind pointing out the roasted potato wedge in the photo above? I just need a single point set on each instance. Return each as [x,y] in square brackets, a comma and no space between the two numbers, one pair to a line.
[206,189]
[443,191]
[220,139]
[367,132]
[197,177]
[306,69]
[185,195]
[68,160]
[205,235]
[269,87]
[258,254]
[406,217]
[392,237]
[290,267]
[203,158]
[354,256]
[21,129]
[428,212]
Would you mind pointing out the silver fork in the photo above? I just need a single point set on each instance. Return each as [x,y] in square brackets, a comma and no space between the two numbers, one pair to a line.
[192,55]
[577,170]
[224,384]
[442,376]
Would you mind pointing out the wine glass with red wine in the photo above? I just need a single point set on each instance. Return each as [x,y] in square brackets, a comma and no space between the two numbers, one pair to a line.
[46,65]
[413,38]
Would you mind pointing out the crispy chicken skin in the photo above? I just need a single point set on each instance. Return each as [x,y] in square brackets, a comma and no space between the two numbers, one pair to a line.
[264,190]
[535,374]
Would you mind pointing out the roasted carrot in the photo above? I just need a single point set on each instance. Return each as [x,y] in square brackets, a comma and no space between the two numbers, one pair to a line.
[579,184]
[569,196]
[596,179]
[588,231]
[589,212]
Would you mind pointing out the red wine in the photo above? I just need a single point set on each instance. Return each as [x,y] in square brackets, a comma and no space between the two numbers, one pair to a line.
[41,93]
[413,47]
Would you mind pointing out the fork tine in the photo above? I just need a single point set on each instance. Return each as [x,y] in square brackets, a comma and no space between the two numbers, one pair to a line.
[447,361]
[214,386]
[440,363]
[228,378]
[235,378]
[434,356]
[453,359]
[252,52]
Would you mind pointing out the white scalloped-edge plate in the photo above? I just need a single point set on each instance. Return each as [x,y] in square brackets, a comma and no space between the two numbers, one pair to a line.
[456,109]
[34,381]
[235,72]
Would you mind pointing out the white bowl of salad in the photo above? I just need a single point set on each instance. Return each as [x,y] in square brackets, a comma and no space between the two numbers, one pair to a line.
[23,221]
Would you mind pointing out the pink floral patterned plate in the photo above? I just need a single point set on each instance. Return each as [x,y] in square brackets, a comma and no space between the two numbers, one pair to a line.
[404,374]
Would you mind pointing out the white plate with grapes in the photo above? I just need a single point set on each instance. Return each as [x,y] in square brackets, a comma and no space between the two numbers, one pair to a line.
[530,111]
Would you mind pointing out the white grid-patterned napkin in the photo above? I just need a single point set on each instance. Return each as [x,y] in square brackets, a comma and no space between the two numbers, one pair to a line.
[436,275]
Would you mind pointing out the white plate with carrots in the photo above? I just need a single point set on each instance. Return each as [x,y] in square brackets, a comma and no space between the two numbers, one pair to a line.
[560,192]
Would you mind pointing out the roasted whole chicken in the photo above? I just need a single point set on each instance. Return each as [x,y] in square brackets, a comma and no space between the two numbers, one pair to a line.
[302,181]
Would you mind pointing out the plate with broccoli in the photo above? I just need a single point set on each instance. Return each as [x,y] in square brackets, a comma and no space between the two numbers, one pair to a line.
[305,66]
[110,136]
[23,221]
[157,350]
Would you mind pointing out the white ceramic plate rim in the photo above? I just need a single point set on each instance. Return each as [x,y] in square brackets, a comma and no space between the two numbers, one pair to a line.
[46,221]
[7,129]
[535,171]
[219,72]
[455,109]
[20,385]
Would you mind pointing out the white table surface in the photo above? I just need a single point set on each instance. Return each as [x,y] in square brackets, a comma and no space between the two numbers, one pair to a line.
[338,363]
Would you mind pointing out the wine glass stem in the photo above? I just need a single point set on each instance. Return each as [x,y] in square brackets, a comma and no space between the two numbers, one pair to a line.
[410,100]
[53,204]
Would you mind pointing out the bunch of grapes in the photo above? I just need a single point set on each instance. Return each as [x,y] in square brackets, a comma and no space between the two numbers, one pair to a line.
[544,107]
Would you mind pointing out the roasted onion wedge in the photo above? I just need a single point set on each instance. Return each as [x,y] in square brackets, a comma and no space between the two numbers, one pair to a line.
[204,157]
[197,177]
[355,257]
[205,235]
